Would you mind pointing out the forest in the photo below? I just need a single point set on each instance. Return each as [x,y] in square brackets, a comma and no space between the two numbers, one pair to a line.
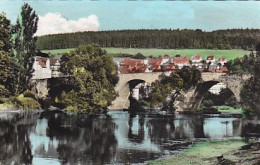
[146,38]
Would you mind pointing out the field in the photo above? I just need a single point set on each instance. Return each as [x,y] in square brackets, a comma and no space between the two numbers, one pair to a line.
[229,54]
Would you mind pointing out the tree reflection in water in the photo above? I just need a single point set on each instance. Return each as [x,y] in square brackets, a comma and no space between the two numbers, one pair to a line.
[83,139]
[15,145]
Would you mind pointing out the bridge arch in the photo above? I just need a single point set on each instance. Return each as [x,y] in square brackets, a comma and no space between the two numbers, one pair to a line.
[123,88]
[202,89]
[191,100]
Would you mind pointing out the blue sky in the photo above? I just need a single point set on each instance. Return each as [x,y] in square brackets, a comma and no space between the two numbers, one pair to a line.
[114,15]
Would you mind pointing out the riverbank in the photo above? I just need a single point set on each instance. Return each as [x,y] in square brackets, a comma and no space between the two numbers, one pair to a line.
[229,152]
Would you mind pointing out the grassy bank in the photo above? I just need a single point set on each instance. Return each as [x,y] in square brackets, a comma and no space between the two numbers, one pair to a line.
[205,153]
[229,54]
[19,102]
[228,109]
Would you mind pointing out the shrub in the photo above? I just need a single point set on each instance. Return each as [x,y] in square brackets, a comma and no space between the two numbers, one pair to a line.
[29,93]
[26,103]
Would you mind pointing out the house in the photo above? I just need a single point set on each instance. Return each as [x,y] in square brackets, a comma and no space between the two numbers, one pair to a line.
[211,59]
[129,65]
[154,64]
[180,62]
[222,60]
[197,61]
[44,68]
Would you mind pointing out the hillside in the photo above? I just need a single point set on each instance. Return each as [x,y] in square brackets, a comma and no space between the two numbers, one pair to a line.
[229,54]
[163,39]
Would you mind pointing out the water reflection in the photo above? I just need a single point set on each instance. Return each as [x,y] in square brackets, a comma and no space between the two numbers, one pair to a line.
[117,137]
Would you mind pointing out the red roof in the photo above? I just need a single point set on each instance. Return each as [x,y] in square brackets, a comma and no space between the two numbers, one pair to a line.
[132,66]
[211,57]
[222,59]
[180,60]
[169,67]
[41,61]
[53,61]
[129,61]
[155,61]
[197,57]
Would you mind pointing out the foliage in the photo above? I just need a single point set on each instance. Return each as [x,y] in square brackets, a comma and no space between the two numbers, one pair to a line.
[225,97]
[7,67]
[24,44]
[26,103]
[250,93]
[90,86]
[242,65]
[164,38]
[167,89]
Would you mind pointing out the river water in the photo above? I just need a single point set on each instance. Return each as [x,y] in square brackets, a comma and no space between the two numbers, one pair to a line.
[113,138]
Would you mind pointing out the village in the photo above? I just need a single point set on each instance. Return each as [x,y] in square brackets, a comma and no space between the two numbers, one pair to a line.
[44,68]
[168,65]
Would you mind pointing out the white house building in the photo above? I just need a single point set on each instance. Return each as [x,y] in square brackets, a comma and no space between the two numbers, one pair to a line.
[44,68]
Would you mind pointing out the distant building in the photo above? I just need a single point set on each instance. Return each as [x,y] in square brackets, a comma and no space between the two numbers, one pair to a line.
[211,59]
[129,65]
[180,62]
[197,61]
[222,60]
[44,68]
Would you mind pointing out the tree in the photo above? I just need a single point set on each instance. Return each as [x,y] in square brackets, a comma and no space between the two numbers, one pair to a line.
[24,44]
[168,88]
[250,93]
[90,86]
[7,66]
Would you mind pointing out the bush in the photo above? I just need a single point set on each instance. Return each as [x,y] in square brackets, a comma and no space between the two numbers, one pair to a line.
[26,103]
[4,92]
[210,110]
[29,93]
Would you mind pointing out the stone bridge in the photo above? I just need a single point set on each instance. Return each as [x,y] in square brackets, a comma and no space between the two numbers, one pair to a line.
[123,90]
[186,101]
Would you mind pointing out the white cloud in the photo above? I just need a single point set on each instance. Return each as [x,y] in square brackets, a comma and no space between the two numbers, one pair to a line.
[54,23]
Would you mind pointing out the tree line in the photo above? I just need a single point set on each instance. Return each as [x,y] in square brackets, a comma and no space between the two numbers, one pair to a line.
[147,38]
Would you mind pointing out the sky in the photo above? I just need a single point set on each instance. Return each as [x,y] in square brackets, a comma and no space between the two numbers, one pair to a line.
[61,16]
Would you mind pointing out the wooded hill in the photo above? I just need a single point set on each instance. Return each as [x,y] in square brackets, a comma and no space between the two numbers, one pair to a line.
[144,38]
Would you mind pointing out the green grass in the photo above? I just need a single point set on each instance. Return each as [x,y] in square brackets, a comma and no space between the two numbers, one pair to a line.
[227,109]
[229,54]
[6,106]
[204,153]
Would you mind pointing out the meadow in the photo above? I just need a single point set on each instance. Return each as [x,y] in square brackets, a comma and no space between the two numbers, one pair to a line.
[229,54]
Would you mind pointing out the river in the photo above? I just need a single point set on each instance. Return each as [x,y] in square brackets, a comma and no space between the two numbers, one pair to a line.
[117,137]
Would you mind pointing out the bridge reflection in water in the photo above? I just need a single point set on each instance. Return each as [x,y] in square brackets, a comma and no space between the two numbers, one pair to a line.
[113,138]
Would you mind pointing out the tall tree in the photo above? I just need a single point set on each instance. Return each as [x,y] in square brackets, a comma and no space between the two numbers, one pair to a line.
[7,67]
[90,86]
[24,44]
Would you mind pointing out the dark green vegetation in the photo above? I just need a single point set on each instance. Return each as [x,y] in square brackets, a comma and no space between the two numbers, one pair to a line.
[166,90]
[24,45]
[225,100]
[16,60]
[243,65]
[90,86]
[7,66]
[250,94]
[144,38]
